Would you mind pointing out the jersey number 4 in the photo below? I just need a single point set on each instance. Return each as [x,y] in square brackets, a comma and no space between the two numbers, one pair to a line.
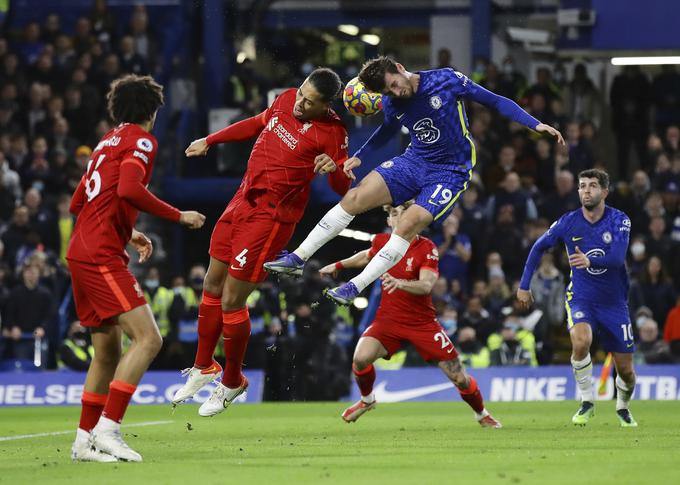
[93,184]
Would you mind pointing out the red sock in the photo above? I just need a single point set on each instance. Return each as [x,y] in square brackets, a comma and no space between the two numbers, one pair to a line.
[365,379]
[93,405]
[472,395]
[236,332]
[209,329]
[120,394]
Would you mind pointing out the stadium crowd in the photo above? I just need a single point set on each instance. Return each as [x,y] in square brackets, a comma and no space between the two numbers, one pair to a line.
[52,112]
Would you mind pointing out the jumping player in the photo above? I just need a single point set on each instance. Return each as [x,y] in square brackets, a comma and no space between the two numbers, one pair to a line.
[108,298]
[406,313]
[596,239]
[435,169]
[298,137]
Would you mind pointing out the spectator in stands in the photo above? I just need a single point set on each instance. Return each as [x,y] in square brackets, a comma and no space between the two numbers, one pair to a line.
[650,349]
[472,220]
[564,199]
[159,298]
[455,251]
[665,89]
[61,137]
[638,256]
[130,60]
[65,224]
[657,289]
[76,350]
[580,153]
[658,243]
[548,287]
[629,97]
[509,193]
[83,38]
[510,352]
[478,317]
[42,219]
[544,86]
[505,238]
[582,99]
[472,353]
[7,204]
[16,234]
[29,310]
[497,172]
[443,58]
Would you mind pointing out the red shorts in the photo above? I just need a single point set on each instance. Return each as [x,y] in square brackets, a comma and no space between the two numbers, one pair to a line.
[429,339]
[245,240]
[103,291]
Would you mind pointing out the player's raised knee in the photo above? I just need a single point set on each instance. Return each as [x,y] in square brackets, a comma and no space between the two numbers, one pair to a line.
[352,202]
[361,362]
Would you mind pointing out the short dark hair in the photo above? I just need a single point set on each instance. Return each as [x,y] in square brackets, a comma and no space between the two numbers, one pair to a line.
[372,73]
[134,99]
[595,173]
[327,83]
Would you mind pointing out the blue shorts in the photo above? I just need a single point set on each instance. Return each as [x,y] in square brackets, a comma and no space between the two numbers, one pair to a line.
[436,188]
[611,323]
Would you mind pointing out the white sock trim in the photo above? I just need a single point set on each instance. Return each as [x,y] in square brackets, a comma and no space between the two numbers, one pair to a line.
[388,256]
[368,399]
[583,374]
[327,228]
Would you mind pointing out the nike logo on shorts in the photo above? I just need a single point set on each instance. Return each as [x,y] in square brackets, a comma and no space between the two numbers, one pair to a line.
[576,238]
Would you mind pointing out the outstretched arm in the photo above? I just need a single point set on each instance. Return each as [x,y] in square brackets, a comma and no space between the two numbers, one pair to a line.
[511,110]
[359,260]
[243,130]
[131,189]
[545,242]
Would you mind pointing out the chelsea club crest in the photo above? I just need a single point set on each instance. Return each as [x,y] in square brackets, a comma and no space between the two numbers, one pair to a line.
[436,102]
[607,237]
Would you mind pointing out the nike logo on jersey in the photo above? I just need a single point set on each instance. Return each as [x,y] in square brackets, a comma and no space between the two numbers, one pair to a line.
[576,238]
[235,268]
[400,116]
[630,345]
[383,395]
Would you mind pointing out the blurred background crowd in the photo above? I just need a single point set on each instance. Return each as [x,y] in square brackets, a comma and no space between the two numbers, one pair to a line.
[55,72]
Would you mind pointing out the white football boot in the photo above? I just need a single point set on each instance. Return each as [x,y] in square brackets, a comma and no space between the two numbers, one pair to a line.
[82,450]
[106,437]
[196,379]
[221,398]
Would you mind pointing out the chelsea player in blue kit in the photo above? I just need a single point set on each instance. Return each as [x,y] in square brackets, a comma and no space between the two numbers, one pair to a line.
[596,239]
[434,170]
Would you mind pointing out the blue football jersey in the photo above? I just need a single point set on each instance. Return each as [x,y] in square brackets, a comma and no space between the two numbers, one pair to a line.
[604,242]
[436,119]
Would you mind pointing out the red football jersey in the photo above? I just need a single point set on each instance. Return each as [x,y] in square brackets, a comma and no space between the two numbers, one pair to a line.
[401,306]
[104,225]
[281,165]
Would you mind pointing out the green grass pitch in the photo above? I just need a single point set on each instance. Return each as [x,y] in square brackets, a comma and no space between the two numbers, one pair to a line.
[411,443]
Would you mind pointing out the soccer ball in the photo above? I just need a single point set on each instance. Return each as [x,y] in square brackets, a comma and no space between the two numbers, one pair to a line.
[359,101]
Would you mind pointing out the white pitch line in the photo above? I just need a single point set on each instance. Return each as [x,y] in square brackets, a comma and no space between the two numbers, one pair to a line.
[56,433]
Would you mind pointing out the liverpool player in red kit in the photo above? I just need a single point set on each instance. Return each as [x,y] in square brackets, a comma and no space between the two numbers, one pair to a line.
[298,136]
[108,298]
[406,313]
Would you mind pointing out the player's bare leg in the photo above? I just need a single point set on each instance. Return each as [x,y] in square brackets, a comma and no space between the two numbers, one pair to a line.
[140,326]
[236,332]
[372,192]
[625,386]
[581,338]
[107,344]
[411,223]
[368,350]
[205,369]
[469,392]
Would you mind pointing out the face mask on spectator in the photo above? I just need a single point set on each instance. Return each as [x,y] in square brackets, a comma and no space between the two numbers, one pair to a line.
[151,284]
[198,281]
[450,325]
[467,347]
[637,249]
